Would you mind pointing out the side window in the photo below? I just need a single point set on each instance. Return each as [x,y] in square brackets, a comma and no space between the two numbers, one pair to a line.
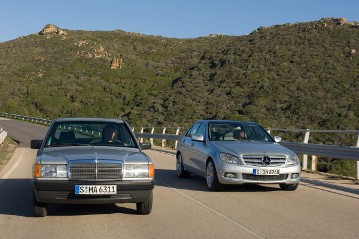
[202,129]
[193,129]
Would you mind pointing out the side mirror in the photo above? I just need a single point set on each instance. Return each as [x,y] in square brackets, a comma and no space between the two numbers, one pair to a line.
[145,146]
[35,143]
[197,137]
[277,139]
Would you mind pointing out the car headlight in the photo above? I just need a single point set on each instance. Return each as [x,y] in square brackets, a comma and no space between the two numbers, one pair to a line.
[293,159]
[138,171]
[50,171]
[229,158]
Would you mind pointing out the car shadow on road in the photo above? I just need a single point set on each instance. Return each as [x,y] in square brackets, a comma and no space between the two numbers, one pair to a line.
[16,199]
[168,178]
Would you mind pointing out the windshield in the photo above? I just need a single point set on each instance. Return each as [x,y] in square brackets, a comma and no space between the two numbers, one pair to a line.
[90,133]
[230,131]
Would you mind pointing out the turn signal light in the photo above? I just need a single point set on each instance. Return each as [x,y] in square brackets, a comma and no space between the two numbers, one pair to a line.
[37,171]
[151,171]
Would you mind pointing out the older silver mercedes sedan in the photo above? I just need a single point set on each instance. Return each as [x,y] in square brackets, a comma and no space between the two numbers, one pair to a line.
[91,161]
[234,152]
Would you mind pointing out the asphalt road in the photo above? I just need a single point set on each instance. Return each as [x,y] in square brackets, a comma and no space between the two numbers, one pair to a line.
[183,208]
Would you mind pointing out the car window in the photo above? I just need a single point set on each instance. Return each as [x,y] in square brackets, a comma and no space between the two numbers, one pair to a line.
[202,129]
[193,129]
[94,133]
[237,131]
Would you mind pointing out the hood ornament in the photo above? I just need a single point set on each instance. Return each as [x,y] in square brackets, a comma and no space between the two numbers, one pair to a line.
[266,160]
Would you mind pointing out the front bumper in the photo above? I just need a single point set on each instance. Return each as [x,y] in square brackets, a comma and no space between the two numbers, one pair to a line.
[289,174]
[63,192]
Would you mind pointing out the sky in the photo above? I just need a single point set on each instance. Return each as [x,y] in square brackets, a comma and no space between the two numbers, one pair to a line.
[168,18]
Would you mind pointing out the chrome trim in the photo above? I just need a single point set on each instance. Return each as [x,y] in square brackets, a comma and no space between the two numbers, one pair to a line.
[95,170]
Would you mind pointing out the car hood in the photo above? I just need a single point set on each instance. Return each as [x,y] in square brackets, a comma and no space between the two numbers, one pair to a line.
[251,147]
[64,154]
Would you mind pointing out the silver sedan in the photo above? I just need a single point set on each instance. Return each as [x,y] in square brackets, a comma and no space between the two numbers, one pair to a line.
[234,152]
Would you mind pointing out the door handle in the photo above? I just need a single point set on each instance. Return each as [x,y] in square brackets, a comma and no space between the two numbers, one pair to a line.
[192,144]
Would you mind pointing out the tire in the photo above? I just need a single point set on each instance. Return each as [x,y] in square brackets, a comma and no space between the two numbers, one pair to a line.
[144,208]
[39,209]
[289,187]
[211,177]
[181,172]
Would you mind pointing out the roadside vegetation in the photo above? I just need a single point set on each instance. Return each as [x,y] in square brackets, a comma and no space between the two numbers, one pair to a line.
[6,151]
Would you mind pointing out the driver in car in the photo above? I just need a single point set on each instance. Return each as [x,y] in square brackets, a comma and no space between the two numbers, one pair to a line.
[109,134]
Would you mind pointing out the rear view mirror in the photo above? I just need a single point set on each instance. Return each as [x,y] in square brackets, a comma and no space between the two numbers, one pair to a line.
[145,146]
[197,137]
[277,139]
[35,143]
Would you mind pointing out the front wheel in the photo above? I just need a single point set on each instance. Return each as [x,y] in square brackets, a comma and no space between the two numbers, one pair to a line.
[39,209]
[288,187]
[212,179]
[144,208]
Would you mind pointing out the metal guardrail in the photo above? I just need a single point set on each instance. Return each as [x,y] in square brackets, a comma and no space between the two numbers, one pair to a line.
[3,135]
[334,151]
[28,118]
[324,150]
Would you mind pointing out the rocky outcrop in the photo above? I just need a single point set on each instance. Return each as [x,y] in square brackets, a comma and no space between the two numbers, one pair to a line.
[52,29]
[116,63]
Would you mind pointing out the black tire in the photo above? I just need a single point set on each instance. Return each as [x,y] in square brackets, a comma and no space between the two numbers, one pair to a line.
[39,209]
[212,178]
[144,208]
[289,187]
[181,172]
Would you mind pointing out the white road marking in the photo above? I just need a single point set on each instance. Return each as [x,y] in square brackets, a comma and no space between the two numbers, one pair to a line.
[250,231]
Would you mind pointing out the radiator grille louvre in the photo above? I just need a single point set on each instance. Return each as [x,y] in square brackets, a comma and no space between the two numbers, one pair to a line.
[257,160]
[252,177]
[93,171]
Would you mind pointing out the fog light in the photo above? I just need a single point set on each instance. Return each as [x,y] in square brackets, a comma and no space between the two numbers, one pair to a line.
[230,175]
[295,175]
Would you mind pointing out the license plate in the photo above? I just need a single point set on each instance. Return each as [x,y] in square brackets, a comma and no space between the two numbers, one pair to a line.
[95,189]
[260,171]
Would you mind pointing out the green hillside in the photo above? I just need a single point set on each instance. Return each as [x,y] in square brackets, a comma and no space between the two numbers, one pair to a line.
[303,75]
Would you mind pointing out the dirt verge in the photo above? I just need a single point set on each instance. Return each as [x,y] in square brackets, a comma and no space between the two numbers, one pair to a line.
[7,149]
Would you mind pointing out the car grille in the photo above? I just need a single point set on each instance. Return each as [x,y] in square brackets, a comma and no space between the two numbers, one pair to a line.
[257,160]
[252,177]
[95,171]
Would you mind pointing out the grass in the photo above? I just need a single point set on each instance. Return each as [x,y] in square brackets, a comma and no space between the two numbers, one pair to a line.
[6,151]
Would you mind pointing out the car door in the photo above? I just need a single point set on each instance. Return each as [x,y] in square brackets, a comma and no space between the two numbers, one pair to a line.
[185,146]
[199,152]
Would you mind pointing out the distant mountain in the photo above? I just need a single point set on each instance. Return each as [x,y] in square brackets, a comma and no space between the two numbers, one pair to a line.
[303,75]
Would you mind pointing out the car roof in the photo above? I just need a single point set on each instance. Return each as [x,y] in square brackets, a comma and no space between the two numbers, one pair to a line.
[228,121]
[113,120]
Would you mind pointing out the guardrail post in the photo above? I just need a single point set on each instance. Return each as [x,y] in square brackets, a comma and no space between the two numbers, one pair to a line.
[141,139]
[177,133]
[314,163]
[163,140]
[151,139]
[305,156]
[357,176]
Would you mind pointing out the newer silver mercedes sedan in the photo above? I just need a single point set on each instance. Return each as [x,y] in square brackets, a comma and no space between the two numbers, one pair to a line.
[91,161]
[234,152]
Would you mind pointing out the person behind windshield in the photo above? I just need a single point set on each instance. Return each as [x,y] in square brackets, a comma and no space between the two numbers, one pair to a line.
[109,134]
[239,134]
